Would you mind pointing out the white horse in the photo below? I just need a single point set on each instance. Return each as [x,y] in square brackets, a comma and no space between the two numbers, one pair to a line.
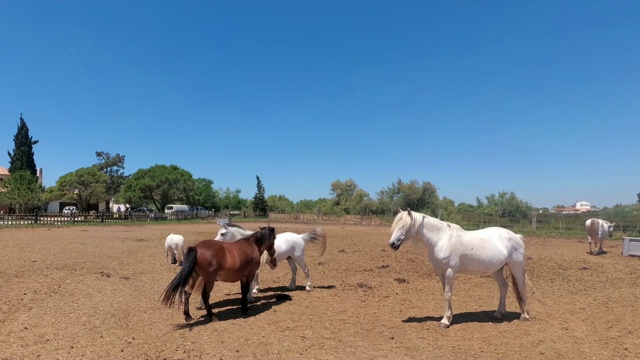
[288,245]
[174,247]
[597,231]
[451,250]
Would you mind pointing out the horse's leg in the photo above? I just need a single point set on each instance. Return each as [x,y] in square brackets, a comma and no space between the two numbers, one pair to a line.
[294,273]
[206,293]
[498,276]
[449,278]
[255,284]
[199,284]
[600,250]
[520,287]
[245,288]
[303,265]
[253,288]
[186,293]
[590,249]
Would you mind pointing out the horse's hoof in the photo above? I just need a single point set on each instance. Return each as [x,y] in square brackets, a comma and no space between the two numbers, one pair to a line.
[497,315]
[212,318]
[444,326]
[291,287]
[524,318]
[308,288]
[188,318]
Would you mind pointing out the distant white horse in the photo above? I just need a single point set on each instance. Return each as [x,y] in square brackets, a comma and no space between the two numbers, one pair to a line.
[288,245]
[174,247]
[454,250]
[597,231]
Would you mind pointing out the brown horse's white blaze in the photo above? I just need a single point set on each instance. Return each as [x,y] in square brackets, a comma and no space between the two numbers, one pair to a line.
[597,231]
[212,261]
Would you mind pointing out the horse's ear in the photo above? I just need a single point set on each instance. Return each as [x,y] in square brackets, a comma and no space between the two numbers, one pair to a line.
[409,212]
[224,226]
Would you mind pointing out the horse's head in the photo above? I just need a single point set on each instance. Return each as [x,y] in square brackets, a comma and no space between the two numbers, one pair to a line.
[269,245]
[401,229]
[223,233]
[610,229]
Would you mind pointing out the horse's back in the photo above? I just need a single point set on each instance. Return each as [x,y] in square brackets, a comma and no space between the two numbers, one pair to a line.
[174,241]
[288,244]
[487,250]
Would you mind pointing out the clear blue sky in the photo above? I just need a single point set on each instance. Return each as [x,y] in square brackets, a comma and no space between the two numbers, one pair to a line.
[541,98]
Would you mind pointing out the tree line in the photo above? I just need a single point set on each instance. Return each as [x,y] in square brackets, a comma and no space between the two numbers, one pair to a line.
[160,185]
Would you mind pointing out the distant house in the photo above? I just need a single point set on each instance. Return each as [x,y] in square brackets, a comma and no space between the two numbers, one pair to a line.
[577,208]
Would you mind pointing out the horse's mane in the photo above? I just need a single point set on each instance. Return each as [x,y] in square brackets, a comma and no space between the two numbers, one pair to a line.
[262,238]
[403,219]
[235,226]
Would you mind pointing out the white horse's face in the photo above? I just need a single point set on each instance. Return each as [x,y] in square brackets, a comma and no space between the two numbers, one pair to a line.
[610,228]
[401,229]
[223,234]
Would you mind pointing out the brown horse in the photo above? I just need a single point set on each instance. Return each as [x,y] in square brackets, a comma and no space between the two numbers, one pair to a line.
[212,261]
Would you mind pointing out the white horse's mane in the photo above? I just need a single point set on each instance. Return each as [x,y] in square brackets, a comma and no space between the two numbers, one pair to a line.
[404,220]
[235,226]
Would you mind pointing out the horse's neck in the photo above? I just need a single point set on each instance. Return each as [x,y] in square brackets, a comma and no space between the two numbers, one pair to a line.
[240,233]
[433,231]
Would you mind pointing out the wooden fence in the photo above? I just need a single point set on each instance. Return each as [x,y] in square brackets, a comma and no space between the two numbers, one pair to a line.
[88,218]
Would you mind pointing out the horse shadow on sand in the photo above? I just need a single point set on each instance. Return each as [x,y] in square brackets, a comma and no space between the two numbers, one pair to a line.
[229,309]
[479,317]
[604,252]
[298,288]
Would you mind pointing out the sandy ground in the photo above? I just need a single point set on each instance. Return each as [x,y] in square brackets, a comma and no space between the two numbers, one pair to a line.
[93,292]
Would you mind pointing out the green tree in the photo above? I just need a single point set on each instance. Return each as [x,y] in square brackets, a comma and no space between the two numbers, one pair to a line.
[205,195]
[85,186]
[260,204]
[422,197]
[231,200]
[22,157]
[467,208]
[112,166]
[348,198]
[280,204]
[504,204]
[638,195]
[22,192]
[159,186]
[308,206]
[448,210]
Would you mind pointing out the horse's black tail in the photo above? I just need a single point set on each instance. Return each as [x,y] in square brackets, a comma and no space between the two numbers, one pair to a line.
[182,278]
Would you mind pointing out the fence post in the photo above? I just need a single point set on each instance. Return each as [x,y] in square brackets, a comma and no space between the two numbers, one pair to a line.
[534,220]
[102,216]
[35,216]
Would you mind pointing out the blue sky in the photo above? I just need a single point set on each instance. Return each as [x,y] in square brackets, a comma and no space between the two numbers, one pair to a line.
[541,98]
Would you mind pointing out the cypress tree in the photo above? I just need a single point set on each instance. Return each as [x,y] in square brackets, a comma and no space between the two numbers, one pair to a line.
[260,205]
[22,158]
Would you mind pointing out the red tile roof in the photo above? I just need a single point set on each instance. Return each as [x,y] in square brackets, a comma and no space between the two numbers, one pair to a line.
[4,171]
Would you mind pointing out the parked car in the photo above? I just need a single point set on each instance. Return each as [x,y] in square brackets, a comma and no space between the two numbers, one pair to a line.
[171,208]
[69,210]
[199,211]
[146,213]
[182,214]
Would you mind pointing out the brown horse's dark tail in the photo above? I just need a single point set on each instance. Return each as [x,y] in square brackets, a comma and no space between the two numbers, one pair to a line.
[181,280]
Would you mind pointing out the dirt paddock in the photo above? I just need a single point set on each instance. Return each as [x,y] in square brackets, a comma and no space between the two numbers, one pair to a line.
[93,292]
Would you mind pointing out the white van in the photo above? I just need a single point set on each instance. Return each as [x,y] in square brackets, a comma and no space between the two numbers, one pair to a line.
[171,208]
